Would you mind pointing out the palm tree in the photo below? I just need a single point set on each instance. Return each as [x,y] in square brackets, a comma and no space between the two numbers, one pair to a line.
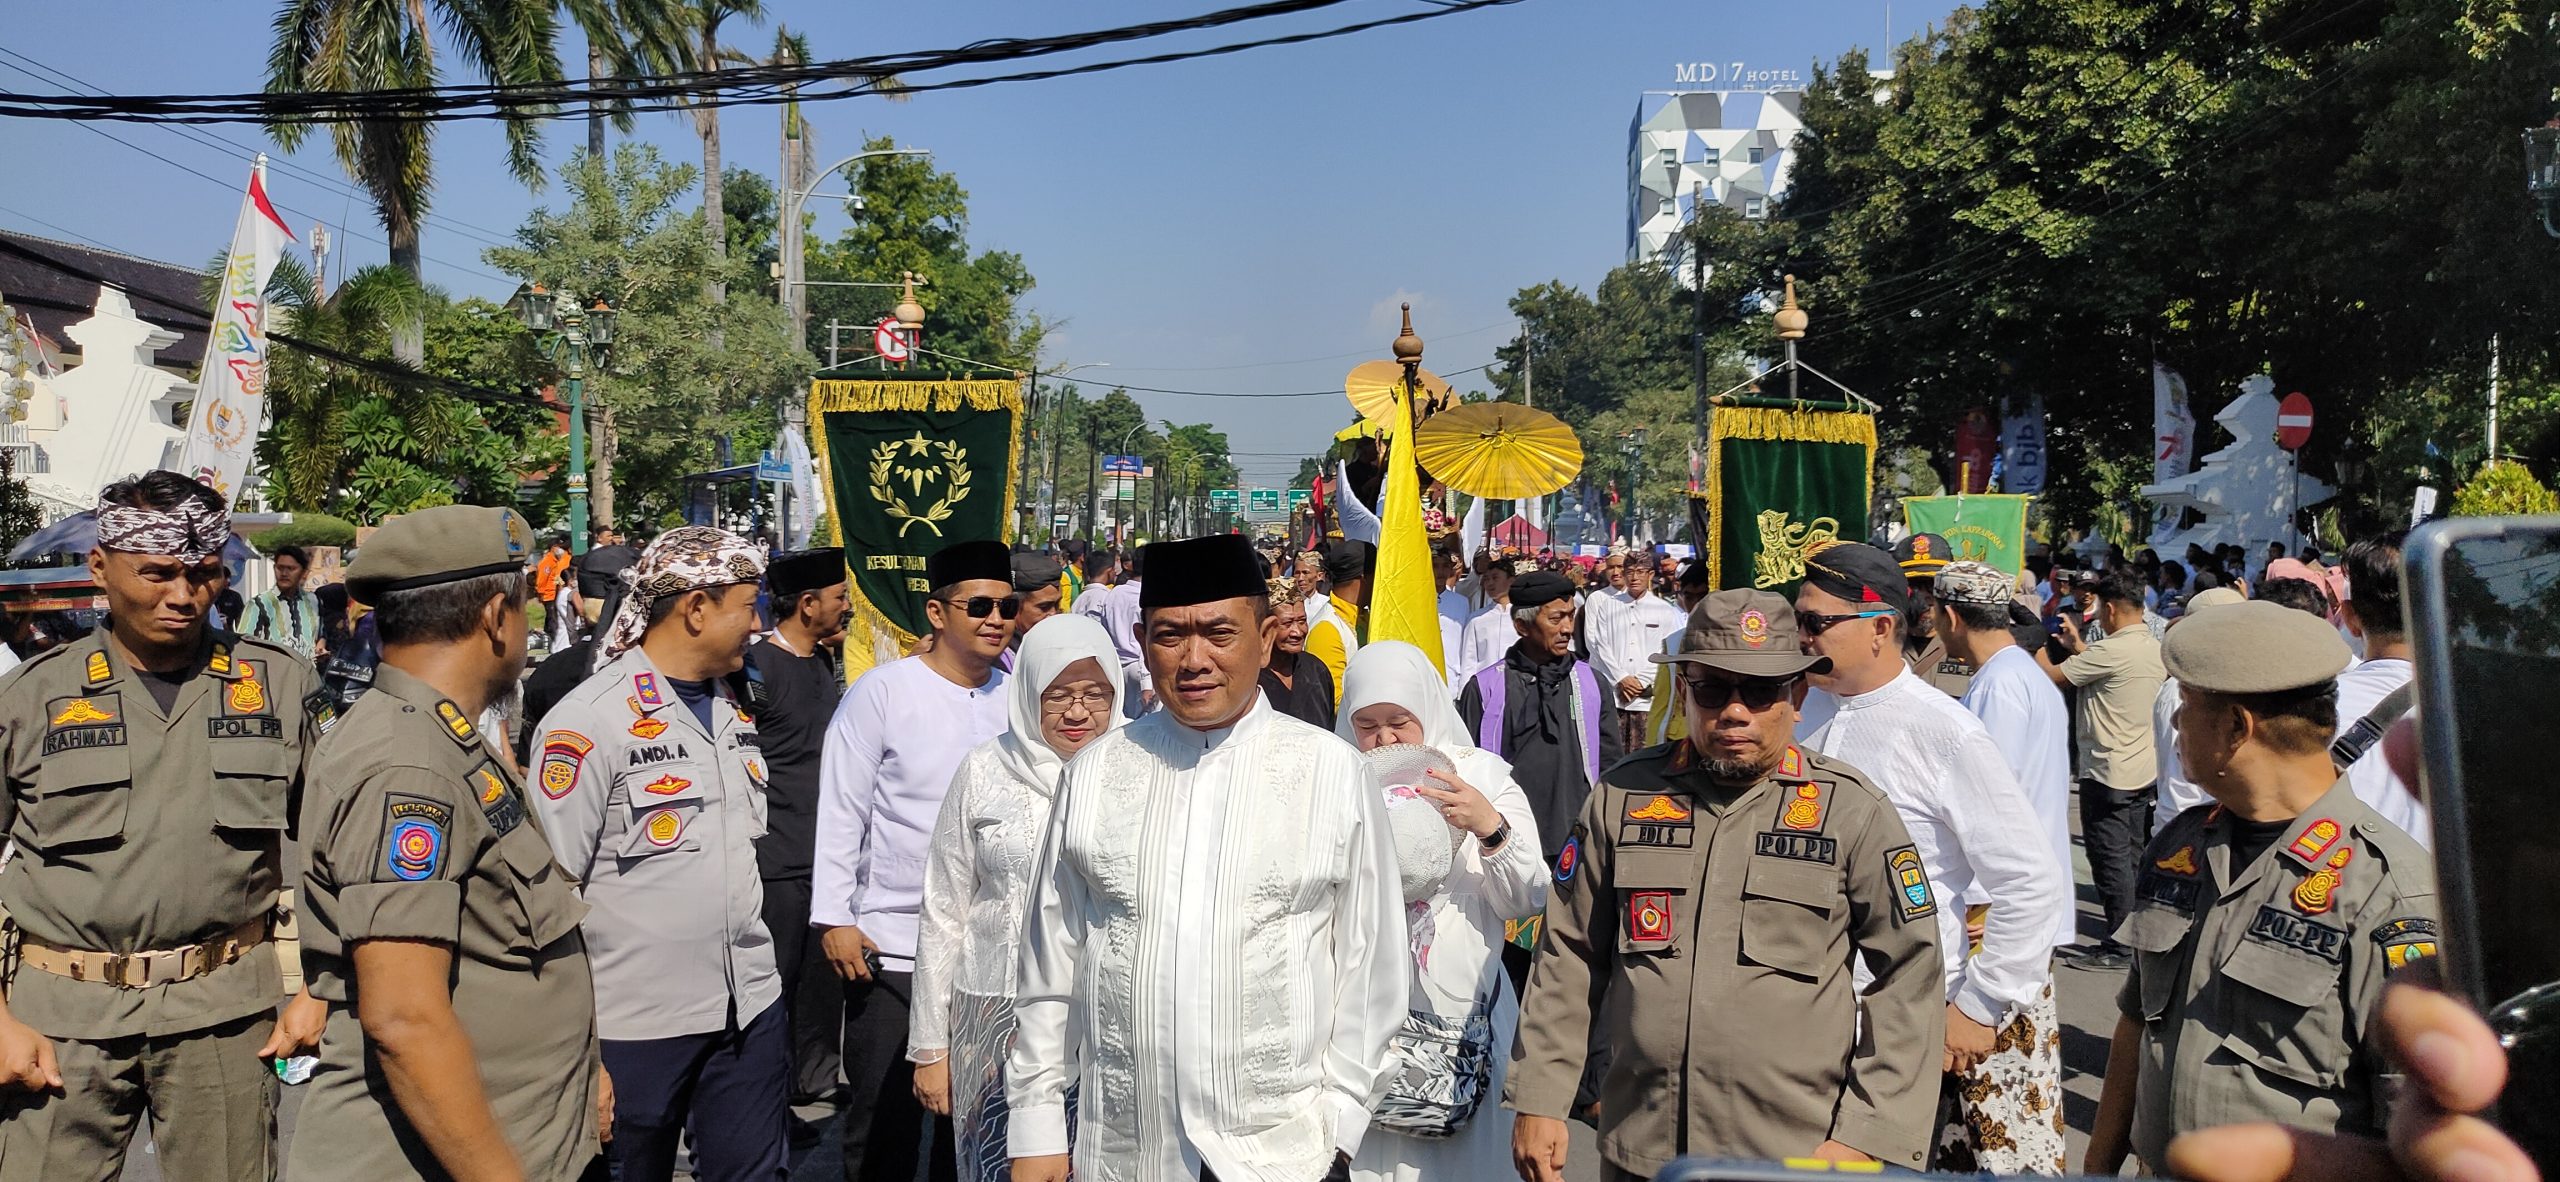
[356,45]
[626,39]
[704,53]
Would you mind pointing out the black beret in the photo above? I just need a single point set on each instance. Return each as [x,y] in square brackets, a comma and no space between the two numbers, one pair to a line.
[964,562]
[1539,587]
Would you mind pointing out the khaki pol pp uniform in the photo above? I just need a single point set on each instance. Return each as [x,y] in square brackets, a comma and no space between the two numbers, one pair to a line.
[418,830]
[2256,982]
[1717,931]
[142,899]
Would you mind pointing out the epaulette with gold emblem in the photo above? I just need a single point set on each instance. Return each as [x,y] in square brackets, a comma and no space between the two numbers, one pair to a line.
[455,724]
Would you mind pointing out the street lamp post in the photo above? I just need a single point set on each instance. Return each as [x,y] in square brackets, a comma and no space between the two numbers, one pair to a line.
[572,337]
[2542,171]
[795,291]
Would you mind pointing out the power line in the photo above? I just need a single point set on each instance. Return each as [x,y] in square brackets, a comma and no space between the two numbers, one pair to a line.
[694,90]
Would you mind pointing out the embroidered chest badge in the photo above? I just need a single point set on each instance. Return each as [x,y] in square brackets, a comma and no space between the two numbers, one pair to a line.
[247,696]
[1660,808]
[81,712]
[2182,863]
[1805,811]
[1649,917]
[648,728]
[664,828]
[667,785]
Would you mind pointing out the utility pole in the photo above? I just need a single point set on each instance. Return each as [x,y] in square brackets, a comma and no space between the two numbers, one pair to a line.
[2493,398]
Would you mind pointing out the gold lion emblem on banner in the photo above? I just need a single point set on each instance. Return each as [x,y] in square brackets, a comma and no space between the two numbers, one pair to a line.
[901,469]
[1783,546]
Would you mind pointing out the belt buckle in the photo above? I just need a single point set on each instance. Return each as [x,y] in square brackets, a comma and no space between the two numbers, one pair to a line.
[118,967]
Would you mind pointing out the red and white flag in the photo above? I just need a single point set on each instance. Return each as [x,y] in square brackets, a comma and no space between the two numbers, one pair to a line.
[230,403]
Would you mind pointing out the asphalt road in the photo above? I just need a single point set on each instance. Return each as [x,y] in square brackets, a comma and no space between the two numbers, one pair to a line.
[2086,1000]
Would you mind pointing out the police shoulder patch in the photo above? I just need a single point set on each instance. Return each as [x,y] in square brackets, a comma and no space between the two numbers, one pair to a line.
[2406,939]
[1911,897]
[1569,859]
[414,832]
[562,753]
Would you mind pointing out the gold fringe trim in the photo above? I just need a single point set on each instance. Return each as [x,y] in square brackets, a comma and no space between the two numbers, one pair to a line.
[974,393]
[1759,423]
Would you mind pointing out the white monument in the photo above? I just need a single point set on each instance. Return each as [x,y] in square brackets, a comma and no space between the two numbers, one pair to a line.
[112,415]
[2248,491]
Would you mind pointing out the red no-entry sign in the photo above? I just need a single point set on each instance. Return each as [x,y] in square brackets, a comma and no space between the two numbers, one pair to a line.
[2293,421]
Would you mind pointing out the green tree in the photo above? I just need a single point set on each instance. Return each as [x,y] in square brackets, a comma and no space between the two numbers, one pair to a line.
[685,371]
[915,217]
[345,45]
[625,39]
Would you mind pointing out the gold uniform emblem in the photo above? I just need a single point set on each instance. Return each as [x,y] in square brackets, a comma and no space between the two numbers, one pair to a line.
[81,711]
[247,696]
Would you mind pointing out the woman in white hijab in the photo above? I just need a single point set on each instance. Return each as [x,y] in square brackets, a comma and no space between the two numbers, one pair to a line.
[1391,694]
[978,872]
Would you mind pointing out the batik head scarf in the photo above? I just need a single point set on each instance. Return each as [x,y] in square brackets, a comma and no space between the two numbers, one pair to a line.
[686,559]
[191,531]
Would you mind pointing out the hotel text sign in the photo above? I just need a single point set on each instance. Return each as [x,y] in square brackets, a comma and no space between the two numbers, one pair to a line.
[1736,75]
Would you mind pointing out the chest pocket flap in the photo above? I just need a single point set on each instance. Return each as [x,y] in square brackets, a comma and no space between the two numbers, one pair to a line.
[81,795]
[1789,911]
[2285,1016]
[2156,934]
[1654,870]
[251,780]
[551,906]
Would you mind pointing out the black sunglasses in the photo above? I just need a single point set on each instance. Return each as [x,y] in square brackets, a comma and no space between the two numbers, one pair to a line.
[978,606]
[1816,623]
[1757,694]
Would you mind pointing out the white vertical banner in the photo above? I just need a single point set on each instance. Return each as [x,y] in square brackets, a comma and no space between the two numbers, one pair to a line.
[2173,425]
[1471,529]
[230,403]
[2022,447]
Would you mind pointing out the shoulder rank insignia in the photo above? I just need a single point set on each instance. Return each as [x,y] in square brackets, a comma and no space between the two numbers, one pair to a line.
[2315,840]
[1805,810]
[562,752]
[648,728]
[220,665]
[454,722]
[2182,863]
[1791,764]
[2405,940]
[1660,808]
[80,712]
[99,671]
[2318,893]
[1912,900]
[644,687]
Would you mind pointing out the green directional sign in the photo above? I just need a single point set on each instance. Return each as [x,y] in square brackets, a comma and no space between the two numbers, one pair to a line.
[1265,500]
[1224,498]
[1298,499]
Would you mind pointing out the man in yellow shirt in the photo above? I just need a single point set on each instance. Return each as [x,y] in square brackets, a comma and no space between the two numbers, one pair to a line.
[1334,637]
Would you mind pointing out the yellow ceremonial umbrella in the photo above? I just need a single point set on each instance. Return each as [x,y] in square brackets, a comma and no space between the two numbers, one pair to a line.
[1371,386]
[1500,451]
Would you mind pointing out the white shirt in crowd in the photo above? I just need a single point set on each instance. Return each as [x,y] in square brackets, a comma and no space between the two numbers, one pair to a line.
[1624,639]
[1454,605]
[2018,704]
[1224,1000]
[1488,635]
[2177,793]
[892,747]
[2361,688]
[1969,823]
[1120,619]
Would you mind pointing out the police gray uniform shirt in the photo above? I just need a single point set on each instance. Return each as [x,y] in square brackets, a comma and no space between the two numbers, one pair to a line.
[144,829]
[2256,984]
[659,819]
[418,832]
[1718,930]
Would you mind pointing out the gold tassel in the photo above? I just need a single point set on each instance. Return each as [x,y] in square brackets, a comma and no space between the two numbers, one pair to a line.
[976,394]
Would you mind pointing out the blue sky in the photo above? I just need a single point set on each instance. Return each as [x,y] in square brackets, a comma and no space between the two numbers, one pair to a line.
[1244,223]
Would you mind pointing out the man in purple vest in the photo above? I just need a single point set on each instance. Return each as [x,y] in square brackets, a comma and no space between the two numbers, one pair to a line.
[1544,711]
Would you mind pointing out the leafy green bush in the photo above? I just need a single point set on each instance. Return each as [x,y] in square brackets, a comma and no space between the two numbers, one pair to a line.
[307,529]
[2504,488]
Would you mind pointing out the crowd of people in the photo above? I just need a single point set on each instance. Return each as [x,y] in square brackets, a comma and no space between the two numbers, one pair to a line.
[1150,865]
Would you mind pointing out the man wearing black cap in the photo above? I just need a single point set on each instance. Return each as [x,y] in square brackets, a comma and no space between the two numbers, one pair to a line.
[792,690]
[1544,711]
[1334,634]
[1225,998]
[896,739]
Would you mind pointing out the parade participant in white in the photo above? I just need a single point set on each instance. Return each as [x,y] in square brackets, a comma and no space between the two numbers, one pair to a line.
[1624,639]
[1971,824]
[1215,945]
[2018,704]
[2374,615]
[1394,696]
[896,739]
[1061,696]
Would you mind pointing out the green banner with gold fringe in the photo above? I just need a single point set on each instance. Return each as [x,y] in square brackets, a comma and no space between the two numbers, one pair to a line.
[1989,528]
[914,464]
[1782,478]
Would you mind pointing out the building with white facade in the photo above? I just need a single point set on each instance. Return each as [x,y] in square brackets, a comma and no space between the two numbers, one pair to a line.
[1731,147]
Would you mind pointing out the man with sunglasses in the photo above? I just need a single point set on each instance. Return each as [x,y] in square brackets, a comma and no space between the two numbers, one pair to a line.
[898,736]
[1974,834]
[1716,898]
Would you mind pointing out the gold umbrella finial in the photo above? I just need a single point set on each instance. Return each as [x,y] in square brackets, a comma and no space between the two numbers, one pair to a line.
[910,314]
[1791,319]
[1408,347]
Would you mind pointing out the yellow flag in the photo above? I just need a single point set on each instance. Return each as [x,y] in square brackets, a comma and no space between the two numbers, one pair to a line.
[1404,602]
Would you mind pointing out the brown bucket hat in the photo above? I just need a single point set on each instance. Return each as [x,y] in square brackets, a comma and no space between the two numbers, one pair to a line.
[1748,634]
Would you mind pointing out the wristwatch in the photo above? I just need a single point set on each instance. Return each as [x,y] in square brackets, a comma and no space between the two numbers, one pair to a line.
[1496,840]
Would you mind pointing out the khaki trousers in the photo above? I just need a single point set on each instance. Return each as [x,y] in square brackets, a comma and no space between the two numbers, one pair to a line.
[212,1102]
